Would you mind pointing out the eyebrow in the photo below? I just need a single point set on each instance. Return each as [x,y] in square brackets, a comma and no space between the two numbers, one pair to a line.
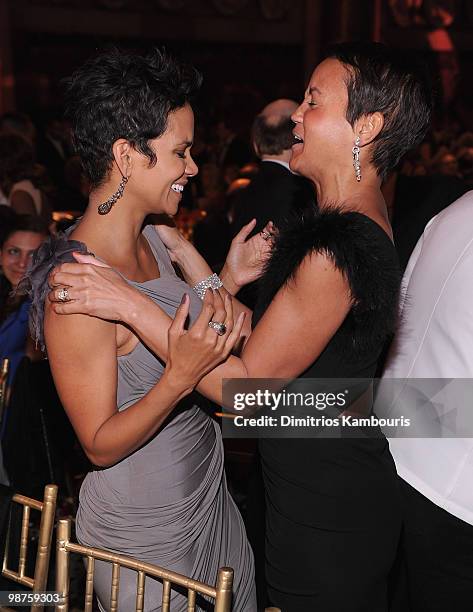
[188,143]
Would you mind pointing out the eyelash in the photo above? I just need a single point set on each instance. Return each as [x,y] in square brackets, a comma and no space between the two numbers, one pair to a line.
[312,103]
[182,155]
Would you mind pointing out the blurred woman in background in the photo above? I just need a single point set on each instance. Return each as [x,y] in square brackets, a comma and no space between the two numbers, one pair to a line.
[20,236]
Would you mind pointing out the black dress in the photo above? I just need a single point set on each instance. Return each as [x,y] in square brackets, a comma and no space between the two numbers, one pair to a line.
[332,505]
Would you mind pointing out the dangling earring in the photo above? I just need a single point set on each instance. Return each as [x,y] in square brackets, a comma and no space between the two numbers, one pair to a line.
[356,159]
[106,207]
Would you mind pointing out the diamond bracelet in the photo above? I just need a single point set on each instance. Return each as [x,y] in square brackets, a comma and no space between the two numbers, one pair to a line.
[211,282]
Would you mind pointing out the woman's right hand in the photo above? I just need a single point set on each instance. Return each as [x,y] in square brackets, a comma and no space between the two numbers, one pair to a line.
[193,353]
[93,289]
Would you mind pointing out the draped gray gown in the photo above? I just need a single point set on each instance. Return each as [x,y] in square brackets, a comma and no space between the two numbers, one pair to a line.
[167,503]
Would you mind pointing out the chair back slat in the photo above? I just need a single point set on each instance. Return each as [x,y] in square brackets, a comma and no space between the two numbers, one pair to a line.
[166,596]
[223,600]
[63,535]
[115,587]
[222,594]
[150,570]
[47,507]
[140,592]
[190,600]
[4,368]
[25,522]
[12,575]
[7,549]
[48,514]
[29,501]
[89,585]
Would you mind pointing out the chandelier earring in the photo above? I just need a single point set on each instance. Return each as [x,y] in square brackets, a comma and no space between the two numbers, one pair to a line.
[106,207]
[356,159]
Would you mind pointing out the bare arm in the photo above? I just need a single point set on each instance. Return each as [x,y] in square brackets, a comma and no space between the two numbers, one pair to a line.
[293,332]
[299,322]
[85,373]
[101,293]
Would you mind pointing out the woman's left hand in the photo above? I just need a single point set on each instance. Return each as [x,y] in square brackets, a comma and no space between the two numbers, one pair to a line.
[92,288]
[247,257]
[193,353]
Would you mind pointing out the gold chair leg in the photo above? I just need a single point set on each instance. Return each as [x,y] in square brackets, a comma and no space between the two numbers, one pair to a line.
[62,563]
[224,590]
[44,543]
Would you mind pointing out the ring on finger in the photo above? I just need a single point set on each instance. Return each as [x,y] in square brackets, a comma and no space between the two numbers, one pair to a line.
[220,328]
[63,295]
[265,235]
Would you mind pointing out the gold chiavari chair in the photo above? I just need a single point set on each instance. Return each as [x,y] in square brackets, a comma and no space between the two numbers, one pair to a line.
[47,507]
[221,593]
[4,368]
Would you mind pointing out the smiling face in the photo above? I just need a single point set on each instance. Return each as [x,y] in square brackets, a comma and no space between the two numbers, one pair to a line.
[16,253]
[324,135]
[159,188]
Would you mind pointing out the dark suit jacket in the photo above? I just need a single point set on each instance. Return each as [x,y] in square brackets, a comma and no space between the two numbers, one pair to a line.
[417,199]
[50,157]
[274,194]
[238,152]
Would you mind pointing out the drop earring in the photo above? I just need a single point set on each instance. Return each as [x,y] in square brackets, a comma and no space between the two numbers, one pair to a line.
[356,159]
[106,207]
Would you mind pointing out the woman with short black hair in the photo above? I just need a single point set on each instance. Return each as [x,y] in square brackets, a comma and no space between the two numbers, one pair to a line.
[158,492]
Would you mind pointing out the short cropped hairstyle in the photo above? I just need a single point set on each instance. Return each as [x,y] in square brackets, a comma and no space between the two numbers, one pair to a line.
[124,95]
[272,139]
[393,83]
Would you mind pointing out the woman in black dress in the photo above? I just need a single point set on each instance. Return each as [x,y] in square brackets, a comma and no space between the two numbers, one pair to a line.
[327,306]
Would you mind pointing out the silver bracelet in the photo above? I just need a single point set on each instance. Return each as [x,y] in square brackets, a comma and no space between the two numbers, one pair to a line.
[211,282]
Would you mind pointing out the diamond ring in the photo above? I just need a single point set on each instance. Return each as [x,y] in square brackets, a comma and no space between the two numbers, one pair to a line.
[220,328]
[63,295]
[265,235]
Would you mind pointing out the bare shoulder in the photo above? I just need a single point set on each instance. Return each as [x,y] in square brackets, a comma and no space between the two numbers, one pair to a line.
[82,355]
[300,320]
[71,336]
[318,277]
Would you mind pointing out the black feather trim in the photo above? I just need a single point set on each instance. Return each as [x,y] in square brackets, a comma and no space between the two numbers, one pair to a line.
[361,250]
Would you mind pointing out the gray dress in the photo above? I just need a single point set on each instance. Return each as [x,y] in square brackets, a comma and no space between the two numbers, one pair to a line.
[167,503]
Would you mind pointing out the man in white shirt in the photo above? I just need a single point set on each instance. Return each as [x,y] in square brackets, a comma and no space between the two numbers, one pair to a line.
[435,341]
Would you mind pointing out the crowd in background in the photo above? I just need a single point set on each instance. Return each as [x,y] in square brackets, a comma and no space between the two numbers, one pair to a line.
[43,190]
[39,173]
[42,178]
